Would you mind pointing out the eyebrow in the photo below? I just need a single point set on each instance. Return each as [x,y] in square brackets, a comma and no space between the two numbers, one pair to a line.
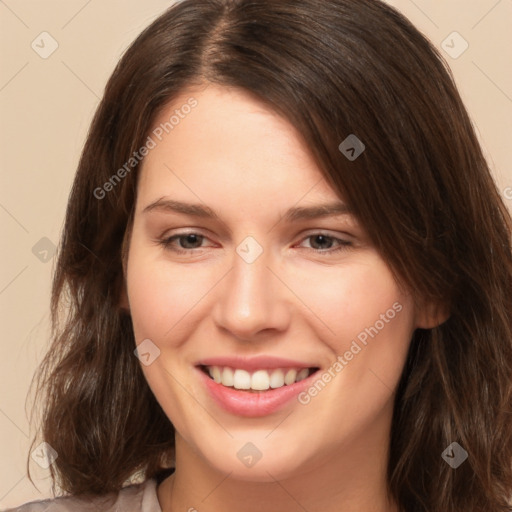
[293,214]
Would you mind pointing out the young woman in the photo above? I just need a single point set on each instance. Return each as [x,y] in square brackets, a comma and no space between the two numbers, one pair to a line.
[285,277]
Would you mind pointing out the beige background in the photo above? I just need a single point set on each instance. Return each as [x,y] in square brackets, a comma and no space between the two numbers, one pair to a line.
[46,105]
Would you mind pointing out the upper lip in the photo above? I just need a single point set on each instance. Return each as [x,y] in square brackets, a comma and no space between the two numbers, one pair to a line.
[254,363]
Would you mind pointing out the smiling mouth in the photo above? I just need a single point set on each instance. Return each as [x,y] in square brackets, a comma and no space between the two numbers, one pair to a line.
[258,380]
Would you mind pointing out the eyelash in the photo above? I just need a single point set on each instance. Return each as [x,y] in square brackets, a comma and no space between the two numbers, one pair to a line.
[167,243]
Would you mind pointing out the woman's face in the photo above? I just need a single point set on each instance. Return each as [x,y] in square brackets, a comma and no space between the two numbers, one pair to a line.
[233,271]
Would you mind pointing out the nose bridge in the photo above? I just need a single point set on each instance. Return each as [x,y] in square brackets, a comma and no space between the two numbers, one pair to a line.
[250,300]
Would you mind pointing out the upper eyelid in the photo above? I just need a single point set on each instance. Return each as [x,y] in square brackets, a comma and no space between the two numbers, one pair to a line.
[308,232]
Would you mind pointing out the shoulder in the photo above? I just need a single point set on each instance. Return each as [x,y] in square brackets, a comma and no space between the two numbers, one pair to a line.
[135,498]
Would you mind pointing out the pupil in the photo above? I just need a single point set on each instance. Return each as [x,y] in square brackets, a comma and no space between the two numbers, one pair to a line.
[322,239]
[190,241]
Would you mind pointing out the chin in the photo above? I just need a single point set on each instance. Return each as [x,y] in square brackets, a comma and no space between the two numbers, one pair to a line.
[258,461]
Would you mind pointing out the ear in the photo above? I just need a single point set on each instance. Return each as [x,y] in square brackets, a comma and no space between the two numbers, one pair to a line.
[430,315]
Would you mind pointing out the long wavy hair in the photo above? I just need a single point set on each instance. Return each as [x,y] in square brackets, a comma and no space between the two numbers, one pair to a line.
[422,190]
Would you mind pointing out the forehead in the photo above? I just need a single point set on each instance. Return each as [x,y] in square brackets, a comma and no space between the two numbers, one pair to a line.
[228,146]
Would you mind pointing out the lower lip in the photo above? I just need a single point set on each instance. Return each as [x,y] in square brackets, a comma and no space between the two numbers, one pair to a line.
[253,404]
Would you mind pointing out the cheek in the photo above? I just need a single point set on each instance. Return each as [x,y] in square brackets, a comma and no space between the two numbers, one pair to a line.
[161,295]
[367,323]
[163,299]
[347,300]
[362,316]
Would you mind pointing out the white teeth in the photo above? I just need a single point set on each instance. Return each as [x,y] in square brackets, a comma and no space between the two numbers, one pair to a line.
[302,374]
[277,379]
[290,376]
[242,379]
[260,380]
[227,377]
[215,374]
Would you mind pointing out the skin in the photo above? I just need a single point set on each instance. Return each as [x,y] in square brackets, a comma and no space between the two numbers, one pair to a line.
[235,155]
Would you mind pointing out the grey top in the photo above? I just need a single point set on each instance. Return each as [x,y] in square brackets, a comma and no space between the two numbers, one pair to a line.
[133,498]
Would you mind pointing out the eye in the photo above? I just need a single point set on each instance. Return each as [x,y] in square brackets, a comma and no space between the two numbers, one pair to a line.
[187,242]
[322,243]
[190,242]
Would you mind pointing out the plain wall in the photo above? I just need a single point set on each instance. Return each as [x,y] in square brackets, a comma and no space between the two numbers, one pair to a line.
[46,105]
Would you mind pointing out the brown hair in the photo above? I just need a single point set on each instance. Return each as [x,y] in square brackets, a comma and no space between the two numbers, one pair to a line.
[421,189]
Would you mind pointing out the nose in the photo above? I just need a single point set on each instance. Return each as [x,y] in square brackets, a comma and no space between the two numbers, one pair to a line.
[252,301]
